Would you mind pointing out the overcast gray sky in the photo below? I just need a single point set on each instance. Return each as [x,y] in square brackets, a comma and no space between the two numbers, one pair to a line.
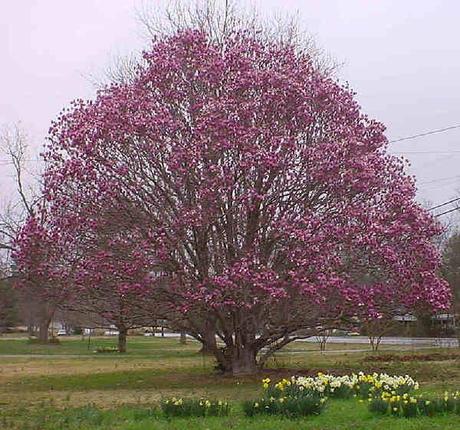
[401,57]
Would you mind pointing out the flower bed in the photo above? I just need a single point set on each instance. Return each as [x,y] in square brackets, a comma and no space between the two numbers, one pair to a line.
[346,386]
[386,394]
[413,406]
[302,396]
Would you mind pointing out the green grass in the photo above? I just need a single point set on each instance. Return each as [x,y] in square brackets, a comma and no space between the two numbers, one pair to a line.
[76,346]
[68,386]
[339,415]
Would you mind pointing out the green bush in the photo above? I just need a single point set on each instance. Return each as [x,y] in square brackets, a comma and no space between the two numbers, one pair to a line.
[86,415]
[291,407]
[408,409]
[194,408]
[342,392]
[139,414]
[106,349]
[378,406]
[427,407]
[408,406]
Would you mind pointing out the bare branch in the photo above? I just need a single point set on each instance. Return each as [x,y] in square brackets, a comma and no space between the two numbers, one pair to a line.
[220,19]
[14,146]
[14,143]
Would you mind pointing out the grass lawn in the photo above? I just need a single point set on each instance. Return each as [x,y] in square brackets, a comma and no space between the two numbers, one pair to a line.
[68,386]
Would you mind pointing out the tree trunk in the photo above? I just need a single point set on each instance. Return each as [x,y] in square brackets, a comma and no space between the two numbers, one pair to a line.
[372,342]
[43,330]
[47,311]
[244,362]
[122,334]
[209,343]
[237,361]
[30,329]
[206,349]
[183,338]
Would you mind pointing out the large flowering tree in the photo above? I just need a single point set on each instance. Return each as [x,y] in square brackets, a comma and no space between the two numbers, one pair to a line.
[260,188]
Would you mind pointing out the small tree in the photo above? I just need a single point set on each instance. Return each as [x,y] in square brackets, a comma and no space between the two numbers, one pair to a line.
[376,328]
[322,338]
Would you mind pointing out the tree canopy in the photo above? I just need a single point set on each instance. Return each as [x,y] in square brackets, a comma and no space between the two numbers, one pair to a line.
[252,180]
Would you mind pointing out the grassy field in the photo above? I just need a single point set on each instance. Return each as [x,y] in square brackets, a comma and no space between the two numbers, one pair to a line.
[68,386]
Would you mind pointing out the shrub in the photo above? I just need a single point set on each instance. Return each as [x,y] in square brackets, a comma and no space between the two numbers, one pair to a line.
[194,408]
[452,404]
[82,417]
[378,406]
[104,349]
[427,407]
[139,414]
[409,406]
[290,407]
[301,406]
[50,341]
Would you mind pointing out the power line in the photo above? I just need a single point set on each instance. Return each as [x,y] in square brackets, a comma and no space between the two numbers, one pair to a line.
[448,178]
[447,212]
[27,159]
[427,133]
[426,152]
[444,204]
[415,136]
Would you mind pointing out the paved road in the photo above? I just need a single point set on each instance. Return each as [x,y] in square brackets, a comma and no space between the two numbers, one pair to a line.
[445,342]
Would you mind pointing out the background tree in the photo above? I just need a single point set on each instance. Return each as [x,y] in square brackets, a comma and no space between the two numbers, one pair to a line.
[451,266]
[113,278]
[20,206]
[44,267]
[14,146]
[451,272]
[322,338]
[8,306]
[219,19]
[377,327]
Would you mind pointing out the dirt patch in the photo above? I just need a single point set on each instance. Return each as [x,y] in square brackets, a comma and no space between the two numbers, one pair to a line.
[9,371]
[413,357]
[281,373]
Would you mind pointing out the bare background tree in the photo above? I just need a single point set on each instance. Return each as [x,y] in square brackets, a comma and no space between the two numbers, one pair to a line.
[220,19]
[20,204]
[14,149]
